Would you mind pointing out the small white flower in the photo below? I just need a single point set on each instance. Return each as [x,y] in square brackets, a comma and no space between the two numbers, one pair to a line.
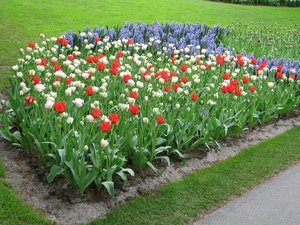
[95,104]
[103,94]
[53,94]
[95,89]
[49,105]
[78,102]
[147,78]
[155,111]
[68,92]
[265,69]
[53,39]
[15,67]
[145,120]
[131,100]
[130,82]
[85,75]
[177,105]
[38,61]
[211,102]
[56,83]
[90,118]
[157,94]
[71,67]
[25,89]
[197,81]
[70,120]
[174,79]
[76,134]
[139,84]
[105,118]
[22,85]
[40,68]
[61,56]
[124,107]
[60,73]
[161,80]
[39,87]
[49,98]
[31,72]
[64,115]
[104,143]
[179,90]
[270,84]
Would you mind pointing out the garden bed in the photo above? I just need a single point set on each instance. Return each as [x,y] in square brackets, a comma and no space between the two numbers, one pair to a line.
[64,204]
[129,106]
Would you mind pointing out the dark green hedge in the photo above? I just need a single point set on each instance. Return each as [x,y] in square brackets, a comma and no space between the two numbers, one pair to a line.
[289,3]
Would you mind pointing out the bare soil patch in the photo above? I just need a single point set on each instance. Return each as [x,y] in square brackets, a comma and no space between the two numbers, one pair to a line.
[63,203]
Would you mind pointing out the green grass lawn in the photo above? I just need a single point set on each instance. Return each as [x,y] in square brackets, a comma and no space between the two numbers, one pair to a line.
[200,192]
[22,21]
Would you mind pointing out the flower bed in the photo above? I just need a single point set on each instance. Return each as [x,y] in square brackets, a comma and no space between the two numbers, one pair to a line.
[89,104]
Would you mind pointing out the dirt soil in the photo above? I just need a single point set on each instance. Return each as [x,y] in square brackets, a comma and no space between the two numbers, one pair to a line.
[63,204]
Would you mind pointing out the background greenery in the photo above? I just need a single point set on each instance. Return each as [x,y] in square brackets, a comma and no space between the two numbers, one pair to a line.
[290,3]
[22,21]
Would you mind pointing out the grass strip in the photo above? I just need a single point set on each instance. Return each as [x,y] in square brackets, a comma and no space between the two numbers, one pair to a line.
[2,170]
[182,201]
[14,211]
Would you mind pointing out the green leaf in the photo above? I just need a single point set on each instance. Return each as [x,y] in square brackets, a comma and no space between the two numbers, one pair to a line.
[200,141]
[160,141]
[179,154]
[109,185]
[6,135]
[122,174]
[54,171]
[88,179]
[139,159]
[166,158]
[75,175]
[128,170]
[186,140]
[17,136]
[62,154]
[153,168]
[169,129]
[161,149]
